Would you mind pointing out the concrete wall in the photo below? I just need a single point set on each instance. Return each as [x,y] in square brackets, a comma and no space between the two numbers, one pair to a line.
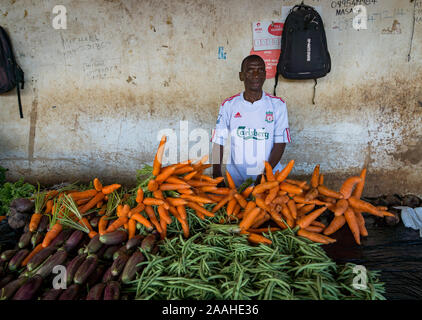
[98,93]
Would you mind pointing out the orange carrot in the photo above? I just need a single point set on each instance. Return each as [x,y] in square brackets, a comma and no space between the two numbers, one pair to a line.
[119,222]
[261,203]
[230,206]
[52,234]
[139,195]
[110,188]
[164,215]
[285,172]
[335,225]
[305,209]
[321,180]
[98,185]
[102,225]
[311,194]
[248,220]
[163,225]
[260,220]
[151,215]
[298,183]
[271,195]
[315,237]
[341,207]
[329,193]
[245,193]
[264,186]
[142,220]
[175,180]
[183,170]
[220,191]
[260,230]
[305,221]
[364,206]
[164,174]
[181,210]
[353,224]
[327,199]
[190,175]
[281,199]
[176,201]
[85,222]
[237,209]
[152,185]
[357,193]
[131,228]
[318,224]
[158,159]
[313,228]
[82,201]
[290,188]
[291,204]
[257,238]
[125,210]
[92,203]
[199,199]
[230,181]
[361,223]
[83,194]
[153,202]
[34,222]
[276,217]
[223,201]
[2,218]
[198,183]
[269,172]
[37,249]
[315,177]
[139,208]
[347,187]
[300,205]
[299,199]
[241,200]
[387,214]
[171,186]
[287,215]
[48,206]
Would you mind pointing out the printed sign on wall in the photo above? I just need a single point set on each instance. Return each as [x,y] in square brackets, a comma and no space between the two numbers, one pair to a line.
[270,58]
[267,35]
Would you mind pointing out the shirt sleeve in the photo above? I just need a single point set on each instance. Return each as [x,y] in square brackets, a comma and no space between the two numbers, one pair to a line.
[281,125]
[220,133]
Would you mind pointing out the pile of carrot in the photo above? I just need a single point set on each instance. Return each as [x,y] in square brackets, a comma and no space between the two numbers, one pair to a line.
[298,204]
[288,203]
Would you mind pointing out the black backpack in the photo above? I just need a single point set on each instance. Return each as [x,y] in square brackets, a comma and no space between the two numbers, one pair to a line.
[304,53]
[11,75]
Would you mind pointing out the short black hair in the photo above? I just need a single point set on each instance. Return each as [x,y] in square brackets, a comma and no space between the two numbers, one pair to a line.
[250,57]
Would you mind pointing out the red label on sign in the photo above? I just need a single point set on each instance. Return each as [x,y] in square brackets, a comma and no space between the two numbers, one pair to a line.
[276,29]
[271,59]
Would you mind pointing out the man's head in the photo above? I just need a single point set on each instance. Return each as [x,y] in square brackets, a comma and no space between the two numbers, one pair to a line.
[253,73]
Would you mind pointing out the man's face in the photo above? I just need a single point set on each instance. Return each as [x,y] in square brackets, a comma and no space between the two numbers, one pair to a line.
[253,74]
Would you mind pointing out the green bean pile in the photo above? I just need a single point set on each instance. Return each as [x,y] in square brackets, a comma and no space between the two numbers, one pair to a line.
[214,263]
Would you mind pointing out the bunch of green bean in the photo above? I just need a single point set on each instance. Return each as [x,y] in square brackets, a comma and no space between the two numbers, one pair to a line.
[214,263]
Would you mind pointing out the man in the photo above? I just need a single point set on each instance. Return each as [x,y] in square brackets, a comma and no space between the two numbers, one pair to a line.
[257,123]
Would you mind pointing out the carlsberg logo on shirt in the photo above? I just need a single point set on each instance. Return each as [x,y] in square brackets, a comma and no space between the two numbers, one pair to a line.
[252,133]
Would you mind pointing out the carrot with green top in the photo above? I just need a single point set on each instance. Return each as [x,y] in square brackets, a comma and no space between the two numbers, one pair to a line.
[158,159]
[52,234]
[142,220]
[92,203]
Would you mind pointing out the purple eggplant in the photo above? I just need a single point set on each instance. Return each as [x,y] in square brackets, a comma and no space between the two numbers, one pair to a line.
[73,266]
[61,238]
[40,257]
[96,275]
[115,237]
[149,242]
[25,239]
[17,259]
[108,276]
[4,281]
[9,290]
[73,241]
[57,259]
[29,289]
[108,254]
[96,292]
[36,239]
[51,294]
[131,267]
[94,222]
[70,293]
[119,264]
[94,245]
[44,222]
[112,291]
[134,242]
[86,269]
[8,254]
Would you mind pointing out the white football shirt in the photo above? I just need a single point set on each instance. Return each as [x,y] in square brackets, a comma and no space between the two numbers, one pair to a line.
[253,129]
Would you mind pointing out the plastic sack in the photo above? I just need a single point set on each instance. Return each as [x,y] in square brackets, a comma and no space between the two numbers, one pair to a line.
[412,217]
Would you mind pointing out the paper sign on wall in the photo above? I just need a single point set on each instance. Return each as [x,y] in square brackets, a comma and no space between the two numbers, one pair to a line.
[267,35]
[270,58]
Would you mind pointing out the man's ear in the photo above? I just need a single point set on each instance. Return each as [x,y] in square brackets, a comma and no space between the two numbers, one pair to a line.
[241,77]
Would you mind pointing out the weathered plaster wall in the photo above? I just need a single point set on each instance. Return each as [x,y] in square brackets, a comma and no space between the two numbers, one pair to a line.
[98,93]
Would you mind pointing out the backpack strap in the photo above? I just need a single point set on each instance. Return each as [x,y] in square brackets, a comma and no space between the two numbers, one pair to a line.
[19,80]
[276,82]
